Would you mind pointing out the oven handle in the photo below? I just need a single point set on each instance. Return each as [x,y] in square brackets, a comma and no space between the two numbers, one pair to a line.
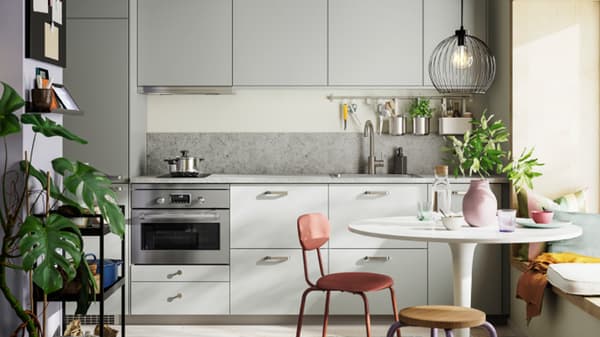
[179,216]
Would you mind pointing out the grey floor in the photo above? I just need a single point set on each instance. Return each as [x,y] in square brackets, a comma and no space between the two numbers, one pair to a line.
[280,331]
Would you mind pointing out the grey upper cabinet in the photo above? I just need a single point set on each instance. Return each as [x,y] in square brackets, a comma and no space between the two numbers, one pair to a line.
[98,9]
[442,18]
[375,43]
[97,76]
[280,42]
[184,43]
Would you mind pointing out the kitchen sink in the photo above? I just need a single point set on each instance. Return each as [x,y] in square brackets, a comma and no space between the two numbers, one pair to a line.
[365,175]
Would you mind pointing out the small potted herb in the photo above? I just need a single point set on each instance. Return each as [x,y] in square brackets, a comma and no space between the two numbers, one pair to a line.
[421,113]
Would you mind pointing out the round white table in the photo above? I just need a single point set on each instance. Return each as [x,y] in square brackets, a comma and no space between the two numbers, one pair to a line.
[462,242]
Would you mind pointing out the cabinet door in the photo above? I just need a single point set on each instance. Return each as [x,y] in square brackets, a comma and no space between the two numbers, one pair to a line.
[442,18]
[280,42]
[348,203]
[408,268]
[179,298]
[110,9]
[263,286]
[264,216]
[375,42]
[97,77]
[487,288]
[184,42]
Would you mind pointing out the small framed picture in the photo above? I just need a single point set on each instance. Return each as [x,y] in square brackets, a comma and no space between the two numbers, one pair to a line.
[41,72]
[64,97]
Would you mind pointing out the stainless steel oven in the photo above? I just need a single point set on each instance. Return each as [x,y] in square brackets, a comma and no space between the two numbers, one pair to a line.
[180,224]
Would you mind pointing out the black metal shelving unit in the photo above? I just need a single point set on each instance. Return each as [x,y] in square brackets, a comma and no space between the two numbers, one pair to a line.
[100,232]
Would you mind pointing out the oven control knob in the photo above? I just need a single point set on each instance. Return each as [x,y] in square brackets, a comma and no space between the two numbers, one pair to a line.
[161,200]
[201,200]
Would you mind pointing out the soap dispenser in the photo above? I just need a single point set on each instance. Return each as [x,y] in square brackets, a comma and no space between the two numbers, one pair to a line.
[399,162]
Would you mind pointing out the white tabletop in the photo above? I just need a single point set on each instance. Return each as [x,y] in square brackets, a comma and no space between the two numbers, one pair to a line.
[409,228]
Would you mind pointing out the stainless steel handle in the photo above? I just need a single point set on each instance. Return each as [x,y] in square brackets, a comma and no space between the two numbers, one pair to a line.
[172,298]
[276,258]
[201,200]
[377,193]
[114,177]
[174,216]
[178,272]
[117,188]
[377,258]
[275,194]
[161,200]
[459,192]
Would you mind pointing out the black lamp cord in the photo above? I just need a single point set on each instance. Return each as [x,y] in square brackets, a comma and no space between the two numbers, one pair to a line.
[461,14]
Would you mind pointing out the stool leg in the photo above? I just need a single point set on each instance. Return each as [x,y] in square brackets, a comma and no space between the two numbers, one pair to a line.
[393,328]
[394,307]
[490,329]
[367,315]
[301,314]
[433,332]
[326,315]
[449,333]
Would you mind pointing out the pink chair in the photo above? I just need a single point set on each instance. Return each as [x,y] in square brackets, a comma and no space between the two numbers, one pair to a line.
[313,232]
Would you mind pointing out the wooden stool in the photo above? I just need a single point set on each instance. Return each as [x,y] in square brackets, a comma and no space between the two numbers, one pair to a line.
[445,317]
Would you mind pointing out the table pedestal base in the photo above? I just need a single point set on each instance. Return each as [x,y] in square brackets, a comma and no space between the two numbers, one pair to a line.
[462,269]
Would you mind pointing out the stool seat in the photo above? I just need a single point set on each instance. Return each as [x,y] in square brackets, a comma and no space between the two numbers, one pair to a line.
[442,317]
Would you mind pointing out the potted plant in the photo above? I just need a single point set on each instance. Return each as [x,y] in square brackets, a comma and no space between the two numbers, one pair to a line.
[421,113]
[31,242]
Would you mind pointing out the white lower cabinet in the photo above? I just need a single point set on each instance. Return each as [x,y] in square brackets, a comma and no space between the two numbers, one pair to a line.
[179,290]
[271,282]
[180,298]
[408,268]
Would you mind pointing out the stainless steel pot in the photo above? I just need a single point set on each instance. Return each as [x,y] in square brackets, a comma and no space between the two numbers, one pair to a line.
[397,125]
[420,126]
[184,165]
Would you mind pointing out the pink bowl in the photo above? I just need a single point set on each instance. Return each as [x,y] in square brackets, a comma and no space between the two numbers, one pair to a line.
[542,217]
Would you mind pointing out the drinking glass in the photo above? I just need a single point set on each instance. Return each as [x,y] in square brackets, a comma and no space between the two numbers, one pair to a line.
[425,210]
[507,220]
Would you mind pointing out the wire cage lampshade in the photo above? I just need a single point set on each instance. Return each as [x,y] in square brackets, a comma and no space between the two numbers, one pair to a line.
[462,64]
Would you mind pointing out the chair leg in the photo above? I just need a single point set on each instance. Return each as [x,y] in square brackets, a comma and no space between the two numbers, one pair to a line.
[395,308]
[367,315]
[490,329]
[433,332]
[326,315]
[393,328]
[301,314]
[449,333]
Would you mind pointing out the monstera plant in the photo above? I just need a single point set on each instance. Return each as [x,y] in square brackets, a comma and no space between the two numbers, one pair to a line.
[48,247]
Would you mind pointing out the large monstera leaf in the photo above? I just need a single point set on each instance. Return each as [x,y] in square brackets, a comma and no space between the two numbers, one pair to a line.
[43,241]
[9,103]
[40,176]
[49,128]
[94,187]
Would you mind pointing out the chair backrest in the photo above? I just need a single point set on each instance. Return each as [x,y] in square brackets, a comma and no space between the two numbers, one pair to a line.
[313,233]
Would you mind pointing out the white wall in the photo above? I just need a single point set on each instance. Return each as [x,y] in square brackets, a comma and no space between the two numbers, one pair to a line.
[556,87]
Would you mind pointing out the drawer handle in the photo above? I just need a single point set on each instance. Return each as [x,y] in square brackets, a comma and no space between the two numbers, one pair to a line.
[377,258]
[376,193]
[275,194]
[117,188]
[170,276]
[459,192]
[171,299]
[276,258]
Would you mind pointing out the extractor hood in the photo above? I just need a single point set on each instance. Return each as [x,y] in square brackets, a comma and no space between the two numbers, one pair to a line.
[185,90]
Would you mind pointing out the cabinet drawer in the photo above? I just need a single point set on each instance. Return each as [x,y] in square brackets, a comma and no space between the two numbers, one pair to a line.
[265,216]
[175,298]
[180,273]
[349,203]
[408,268]
[263,287]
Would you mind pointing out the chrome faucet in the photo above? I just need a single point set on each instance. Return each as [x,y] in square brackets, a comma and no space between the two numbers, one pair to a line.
[373,163]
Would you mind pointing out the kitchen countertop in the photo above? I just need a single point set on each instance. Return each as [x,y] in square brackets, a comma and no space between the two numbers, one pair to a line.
[219,178]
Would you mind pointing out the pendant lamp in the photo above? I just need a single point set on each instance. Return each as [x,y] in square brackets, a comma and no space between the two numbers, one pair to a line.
[462,64]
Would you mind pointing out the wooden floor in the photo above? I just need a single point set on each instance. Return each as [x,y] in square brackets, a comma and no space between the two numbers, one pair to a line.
[280,331]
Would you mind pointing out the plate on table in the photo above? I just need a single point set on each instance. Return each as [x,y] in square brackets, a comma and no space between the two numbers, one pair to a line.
[528,222]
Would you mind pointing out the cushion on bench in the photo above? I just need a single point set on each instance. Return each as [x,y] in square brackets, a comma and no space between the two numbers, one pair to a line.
[575,278]
[586,244]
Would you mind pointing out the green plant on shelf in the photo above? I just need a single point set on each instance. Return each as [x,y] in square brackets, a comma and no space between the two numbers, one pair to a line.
[47,247]
[420,108]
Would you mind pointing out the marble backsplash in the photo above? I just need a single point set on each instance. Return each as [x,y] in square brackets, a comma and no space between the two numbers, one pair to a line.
[291,153]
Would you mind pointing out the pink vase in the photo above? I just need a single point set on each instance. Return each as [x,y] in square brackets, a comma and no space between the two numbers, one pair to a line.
[480,205]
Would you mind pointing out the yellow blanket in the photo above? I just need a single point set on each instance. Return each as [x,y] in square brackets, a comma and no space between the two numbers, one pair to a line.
[533,282]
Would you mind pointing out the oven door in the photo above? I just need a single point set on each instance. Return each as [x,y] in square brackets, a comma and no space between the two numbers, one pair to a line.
[180,237]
